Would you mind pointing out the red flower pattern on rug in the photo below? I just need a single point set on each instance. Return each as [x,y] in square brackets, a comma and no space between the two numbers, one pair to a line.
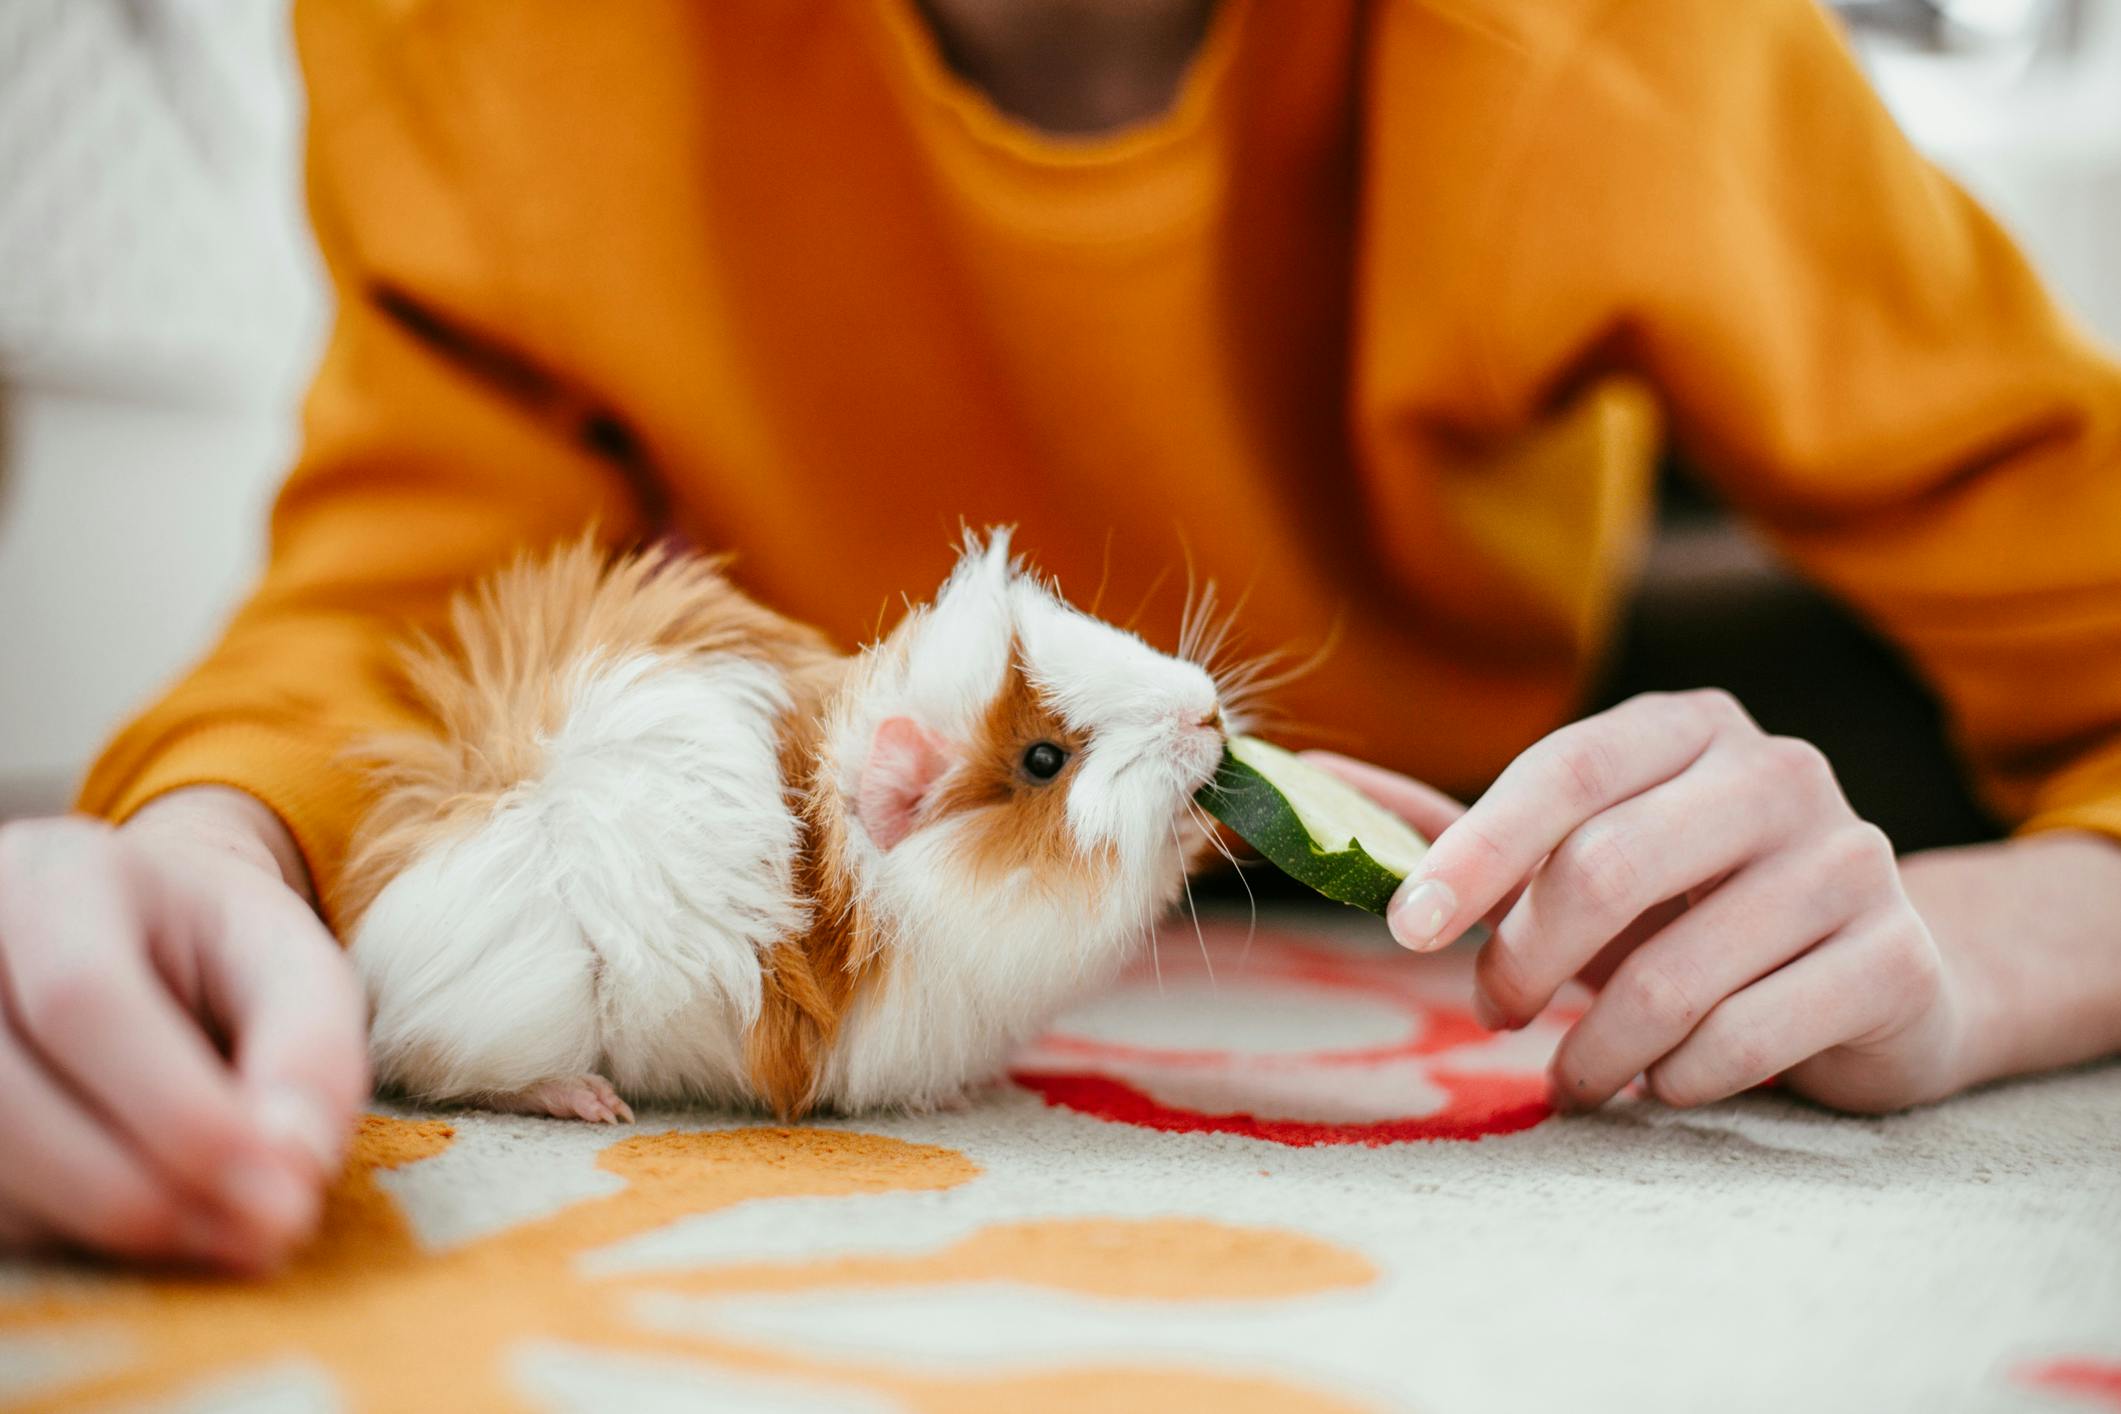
[1297,1042]
[2092,1382]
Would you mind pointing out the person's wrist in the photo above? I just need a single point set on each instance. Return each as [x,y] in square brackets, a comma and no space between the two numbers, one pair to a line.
[2004,915]
[232,821]
[1975,995]
[1969,1020]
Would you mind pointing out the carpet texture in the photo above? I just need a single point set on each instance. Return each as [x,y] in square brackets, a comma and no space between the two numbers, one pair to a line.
[1284,1173]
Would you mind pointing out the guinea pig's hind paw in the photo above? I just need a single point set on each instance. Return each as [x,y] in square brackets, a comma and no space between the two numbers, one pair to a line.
[588,1097]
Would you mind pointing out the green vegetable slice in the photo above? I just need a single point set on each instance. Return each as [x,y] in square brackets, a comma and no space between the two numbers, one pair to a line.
[1313,826]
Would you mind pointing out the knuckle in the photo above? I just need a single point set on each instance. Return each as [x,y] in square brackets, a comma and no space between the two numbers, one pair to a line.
[1861,853]
[1746,1056]
[1486,850]
[1906,962]
[1715,707]
[1597,873]
[1652,993]
[1751,1063]
[1477,854]
[1584,765]
[62,1004]
[1671,1086]
[1723,1057]
[1793,761]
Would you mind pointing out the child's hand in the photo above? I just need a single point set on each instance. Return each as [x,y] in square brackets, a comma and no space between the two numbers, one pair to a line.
[1737,917]
[181,1050]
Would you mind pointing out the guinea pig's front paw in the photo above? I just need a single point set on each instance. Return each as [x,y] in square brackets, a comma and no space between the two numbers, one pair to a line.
[962,1099]
[587,1097]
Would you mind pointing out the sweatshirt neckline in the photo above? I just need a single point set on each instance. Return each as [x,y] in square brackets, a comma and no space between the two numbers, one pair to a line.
[1135,181]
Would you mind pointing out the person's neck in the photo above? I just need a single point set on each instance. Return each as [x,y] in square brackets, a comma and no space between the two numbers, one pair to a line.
[1072,67]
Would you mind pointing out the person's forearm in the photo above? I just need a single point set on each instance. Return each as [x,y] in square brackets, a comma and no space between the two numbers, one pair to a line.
[2031,928]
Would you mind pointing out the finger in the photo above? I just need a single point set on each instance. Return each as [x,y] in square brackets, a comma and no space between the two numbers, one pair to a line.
[1766,914]
[1424,807]
[1546,793]
[1602,964]
[1600,968]
[1828,997]
[18,1234]
[79,988]
[283,991]
[78,1182]
[1727,807]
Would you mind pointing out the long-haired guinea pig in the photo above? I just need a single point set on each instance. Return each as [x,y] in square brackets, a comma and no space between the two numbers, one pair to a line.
[668,844]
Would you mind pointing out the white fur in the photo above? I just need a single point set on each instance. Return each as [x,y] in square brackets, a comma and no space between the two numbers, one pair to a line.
[976,968]
[610,914]
[974,974]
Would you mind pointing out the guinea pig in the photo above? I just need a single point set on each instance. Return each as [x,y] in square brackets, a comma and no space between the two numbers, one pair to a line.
[667,844]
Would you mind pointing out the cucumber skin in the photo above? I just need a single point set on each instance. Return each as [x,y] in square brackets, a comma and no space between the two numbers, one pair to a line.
[1248,803]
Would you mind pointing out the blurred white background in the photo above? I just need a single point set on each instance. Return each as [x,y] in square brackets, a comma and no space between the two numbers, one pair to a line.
[160,311]
[160,307]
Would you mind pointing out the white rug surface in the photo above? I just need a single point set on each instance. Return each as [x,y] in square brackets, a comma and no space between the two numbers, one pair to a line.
[1308,1182]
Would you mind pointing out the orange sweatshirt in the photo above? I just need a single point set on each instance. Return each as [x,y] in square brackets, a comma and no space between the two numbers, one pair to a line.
[1385,321]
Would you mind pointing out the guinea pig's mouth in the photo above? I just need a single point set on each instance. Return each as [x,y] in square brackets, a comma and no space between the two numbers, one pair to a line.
[1198,749]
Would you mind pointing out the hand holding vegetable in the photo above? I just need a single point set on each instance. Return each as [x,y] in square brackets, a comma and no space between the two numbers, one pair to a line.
[1736,917]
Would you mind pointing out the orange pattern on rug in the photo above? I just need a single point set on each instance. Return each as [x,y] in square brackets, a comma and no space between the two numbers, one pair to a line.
[398,1326]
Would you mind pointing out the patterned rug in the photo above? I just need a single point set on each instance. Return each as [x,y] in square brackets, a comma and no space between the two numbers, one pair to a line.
[1275,1169]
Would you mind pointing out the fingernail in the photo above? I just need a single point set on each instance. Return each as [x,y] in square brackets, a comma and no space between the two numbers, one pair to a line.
[291,1118]
[1418,913]
[268,1194]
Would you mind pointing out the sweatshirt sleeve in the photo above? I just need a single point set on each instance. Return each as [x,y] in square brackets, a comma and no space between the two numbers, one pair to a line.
[429,456]
[1852,352]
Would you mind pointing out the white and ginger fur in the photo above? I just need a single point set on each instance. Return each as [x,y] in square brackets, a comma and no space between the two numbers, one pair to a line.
[667,844]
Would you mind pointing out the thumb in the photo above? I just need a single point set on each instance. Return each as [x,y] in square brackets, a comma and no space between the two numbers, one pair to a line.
[1424,807]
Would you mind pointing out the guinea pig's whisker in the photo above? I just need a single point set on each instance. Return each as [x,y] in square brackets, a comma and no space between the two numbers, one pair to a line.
[1213,637]
[1191,907]
[1209,635]
[1244,683]
[1193,624]
[1186,614]
[1215,838]
[1147,595]
[1257,675]
[1185,610]
[1156,960]
[1246,669]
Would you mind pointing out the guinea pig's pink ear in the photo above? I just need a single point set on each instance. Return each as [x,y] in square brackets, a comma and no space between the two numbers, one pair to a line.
[905,761]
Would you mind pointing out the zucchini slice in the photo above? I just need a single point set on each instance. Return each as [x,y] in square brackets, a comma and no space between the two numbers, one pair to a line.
[1313,826]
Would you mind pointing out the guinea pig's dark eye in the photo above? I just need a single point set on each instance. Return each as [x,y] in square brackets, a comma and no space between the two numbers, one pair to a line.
[1043,761]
